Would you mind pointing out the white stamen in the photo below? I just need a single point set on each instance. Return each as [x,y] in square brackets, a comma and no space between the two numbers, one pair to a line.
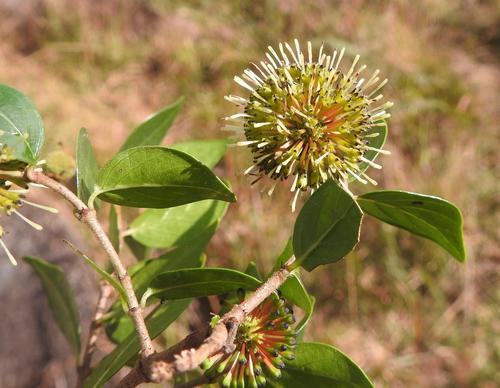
[384,152]
[34,225]
[249,170]
[356,59]
[357,177]
[270,192]
[380,86]
[372,181]
[294,184]
[241,82]
[7,252]
[289,48]
[247,142]
[320,54]
[271,49]
[341,54]
[309,51]
[46,208]
[294,202]
[370,163]
[282,51]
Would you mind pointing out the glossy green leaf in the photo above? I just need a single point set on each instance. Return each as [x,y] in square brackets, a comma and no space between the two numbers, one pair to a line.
[154,129]
[21,130]
[61,301]
[208,152]
[424,215]
[113,228]
[198,282]
[375,142]
[163,228]
[327,227]
[320,365]
[21,127]
[86,166]
[101,272]
[157,177]
[156,322]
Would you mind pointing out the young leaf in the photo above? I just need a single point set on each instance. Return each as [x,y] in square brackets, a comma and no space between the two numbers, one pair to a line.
[156,322]
[114,230]
[101,272]
[21,125]
[424,215]
[208,152]
[163,228]
[154,129]
[86,166]
[157,177]
[321,365]
[197,282]
[61,300]
[327,227]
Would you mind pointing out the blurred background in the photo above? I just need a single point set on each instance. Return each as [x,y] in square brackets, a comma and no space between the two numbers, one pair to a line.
[399,306]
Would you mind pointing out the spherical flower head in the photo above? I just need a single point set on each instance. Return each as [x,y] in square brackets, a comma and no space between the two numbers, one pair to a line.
[306,118]
[264,342]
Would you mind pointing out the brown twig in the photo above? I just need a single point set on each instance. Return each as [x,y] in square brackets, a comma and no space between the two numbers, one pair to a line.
[105,292]
[195,348]
[88,217]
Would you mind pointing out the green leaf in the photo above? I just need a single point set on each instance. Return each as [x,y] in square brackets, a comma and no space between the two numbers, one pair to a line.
[157,177]
[163,228]
[208,152]
[327,227]
[154,129]
[114,230]
[86,166]
[375,142]
[424,215]
[198,282]
[295,292]
[100,271]
[21,127]
[139,251]
[321,365]
[61,301]
[253,271]
[156,322]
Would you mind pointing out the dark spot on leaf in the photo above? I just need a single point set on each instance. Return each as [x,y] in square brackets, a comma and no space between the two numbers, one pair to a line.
[417,203]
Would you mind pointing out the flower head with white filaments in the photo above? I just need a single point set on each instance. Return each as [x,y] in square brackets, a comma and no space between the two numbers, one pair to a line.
[12,198]
[305,118]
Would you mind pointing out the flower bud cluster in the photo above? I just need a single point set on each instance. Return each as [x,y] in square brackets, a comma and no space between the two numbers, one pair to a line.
[264,342]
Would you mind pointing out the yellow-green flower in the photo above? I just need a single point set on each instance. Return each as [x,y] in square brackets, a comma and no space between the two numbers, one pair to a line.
[308,119]
[265,341]
[10,201]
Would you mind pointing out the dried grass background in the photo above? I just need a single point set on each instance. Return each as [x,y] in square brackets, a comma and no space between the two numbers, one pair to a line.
[401,307]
